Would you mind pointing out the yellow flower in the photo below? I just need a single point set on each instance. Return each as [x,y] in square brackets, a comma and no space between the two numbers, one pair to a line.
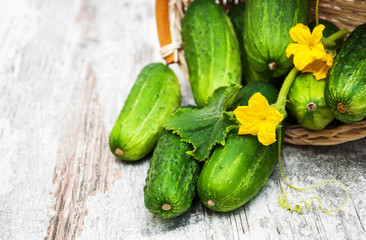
[308,50]
[307,47]
[320,67]
[258,118]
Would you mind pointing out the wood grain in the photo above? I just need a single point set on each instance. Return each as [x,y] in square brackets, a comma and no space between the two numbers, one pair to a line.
[84,165]
[66,68]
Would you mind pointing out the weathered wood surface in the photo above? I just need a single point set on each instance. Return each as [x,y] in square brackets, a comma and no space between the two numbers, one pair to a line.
[66,68]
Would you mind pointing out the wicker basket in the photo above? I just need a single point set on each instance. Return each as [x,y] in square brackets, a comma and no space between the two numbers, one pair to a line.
[343,13]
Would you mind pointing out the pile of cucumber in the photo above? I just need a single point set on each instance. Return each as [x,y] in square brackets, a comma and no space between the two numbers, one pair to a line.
[246,47]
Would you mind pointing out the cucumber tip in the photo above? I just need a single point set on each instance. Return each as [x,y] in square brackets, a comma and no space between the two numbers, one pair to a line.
[341,108]
[166,207]
[210,203]
[272,66]
[119,152]
[311,107]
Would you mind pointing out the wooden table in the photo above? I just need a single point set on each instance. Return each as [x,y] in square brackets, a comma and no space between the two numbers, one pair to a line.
[66,68]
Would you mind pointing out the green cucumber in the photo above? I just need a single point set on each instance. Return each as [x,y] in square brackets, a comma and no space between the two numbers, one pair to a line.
[307,104]
[210,48]
[266,36]
[172,177]
[235,172]
[306,95]
[153,97]
[236,15]
[345,90]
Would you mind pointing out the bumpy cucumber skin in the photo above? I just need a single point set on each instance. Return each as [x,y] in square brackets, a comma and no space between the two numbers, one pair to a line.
[172,177]
[153,97]
[245,93]
[266,35]
[236,15]
[346,83]
[210,48]
[235,172]
[307,90]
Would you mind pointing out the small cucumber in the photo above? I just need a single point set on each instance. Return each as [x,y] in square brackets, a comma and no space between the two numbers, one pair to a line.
[210,48]
[172,177]
[235,172]
[153,97]
[346,86]
[307,103]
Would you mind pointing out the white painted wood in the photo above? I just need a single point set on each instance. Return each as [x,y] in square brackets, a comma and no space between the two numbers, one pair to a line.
[66,68]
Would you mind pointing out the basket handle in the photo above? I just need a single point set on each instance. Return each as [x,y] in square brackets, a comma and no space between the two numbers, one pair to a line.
[163,26]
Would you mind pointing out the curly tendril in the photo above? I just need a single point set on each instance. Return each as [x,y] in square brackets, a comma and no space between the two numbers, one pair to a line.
[284,202]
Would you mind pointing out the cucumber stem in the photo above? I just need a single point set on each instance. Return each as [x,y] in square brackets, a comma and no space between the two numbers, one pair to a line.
[311,107]
[119,151]
[280,105]
[341,108]
[317,13]
[272,66]
[166,207]
[329,42]
[210,203]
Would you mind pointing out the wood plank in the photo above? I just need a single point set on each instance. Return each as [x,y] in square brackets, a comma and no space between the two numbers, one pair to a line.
[66,70]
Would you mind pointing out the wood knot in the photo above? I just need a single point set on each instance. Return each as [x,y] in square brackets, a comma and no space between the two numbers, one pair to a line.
[119,152]
[210,203]
[341,108]
[166,207]
[272,66]
[311,107]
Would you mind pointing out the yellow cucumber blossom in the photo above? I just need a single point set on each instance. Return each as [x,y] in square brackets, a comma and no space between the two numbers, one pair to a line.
[258,118]
[320,67]
[308,50]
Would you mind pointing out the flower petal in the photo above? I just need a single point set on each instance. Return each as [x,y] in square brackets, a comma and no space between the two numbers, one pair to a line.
[302,55]
[267,134]
[319,69]
[240,113]
[274,116]
[258,101]
[318,51]
[317,33]
[249,128]
[301,34]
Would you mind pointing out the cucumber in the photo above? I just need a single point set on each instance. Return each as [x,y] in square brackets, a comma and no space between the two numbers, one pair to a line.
[306,95]
[236,15]
[345,90]
[266,36]
[235,172]
[172,177]
[210,48]
[307,103]
[153,97]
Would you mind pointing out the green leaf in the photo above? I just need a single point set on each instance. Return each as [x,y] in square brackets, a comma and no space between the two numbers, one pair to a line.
[208,126]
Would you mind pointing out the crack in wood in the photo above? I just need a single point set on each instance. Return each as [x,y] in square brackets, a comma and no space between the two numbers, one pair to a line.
[358,216]
[321,222]
[84,165]
[241,223]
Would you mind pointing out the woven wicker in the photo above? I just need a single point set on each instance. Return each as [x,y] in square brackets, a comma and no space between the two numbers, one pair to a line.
[343,13]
